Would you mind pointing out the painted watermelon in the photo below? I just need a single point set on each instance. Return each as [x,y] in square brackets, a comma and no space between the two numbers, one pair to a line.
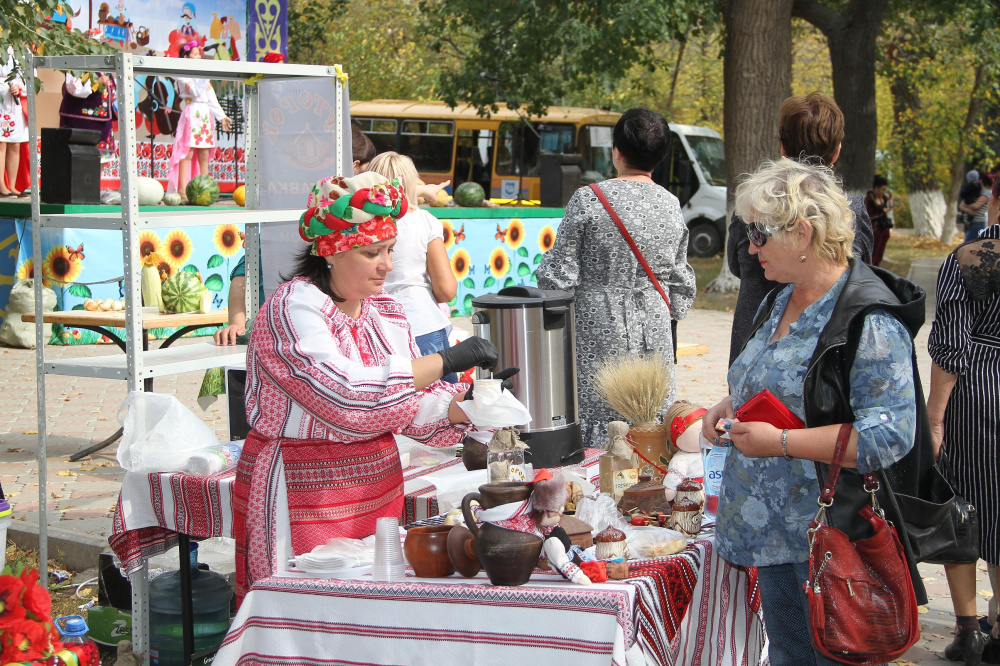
[469,195]
[202,190]
[182,292]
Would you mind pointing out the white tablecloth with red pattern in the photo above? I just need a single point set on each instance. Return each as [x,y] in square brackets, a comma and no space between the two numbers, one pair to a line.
[690,608]
[153,508]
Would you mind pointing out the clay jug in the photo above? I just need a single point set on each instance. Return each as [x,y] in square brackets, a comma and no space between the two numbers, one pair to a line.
[473,454]
[426,550]
[508,556]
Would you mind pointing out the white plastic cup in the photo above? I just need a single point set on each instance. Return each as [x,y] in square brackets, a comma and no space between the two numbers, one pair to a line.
[388,565]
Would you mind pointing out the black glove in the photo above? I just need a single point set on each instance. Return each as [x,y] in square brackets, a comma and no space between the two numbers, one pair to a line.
[473,351]
[507,384]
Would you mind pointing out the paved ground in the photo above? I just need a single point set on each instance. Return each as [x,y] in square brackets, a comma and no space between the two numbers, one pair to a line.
[83,411]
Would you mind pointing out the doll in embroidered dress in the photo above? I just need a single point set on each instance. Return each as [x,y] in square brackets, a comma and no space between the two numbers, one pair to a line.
[547,501]
[684,420]
[196,128]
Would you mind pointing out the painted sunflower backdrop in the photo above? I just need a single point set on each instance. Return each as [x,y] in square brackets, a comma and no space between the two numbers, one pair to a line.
[73,257]
[490,254]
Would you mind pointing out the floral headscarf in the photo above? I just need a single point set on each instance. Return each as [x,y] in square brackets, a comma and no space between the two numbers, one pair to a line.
[347,213]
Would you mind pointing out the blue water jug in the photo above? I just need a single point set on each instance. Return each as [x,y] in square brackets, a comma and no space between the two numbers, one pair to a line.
[210,596]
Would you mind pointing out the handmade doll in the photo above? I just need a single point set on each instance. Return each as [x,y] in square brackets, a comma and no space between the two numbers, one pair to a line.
[684,420]
[547,501]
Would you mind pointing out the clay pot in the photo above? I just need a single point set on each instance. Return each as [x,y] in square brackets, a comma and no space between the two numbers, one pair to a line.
[462,551]
[508,556]
[647,496]
[473,454]
[491,495]
[686,517]
[426,550]
[650,440]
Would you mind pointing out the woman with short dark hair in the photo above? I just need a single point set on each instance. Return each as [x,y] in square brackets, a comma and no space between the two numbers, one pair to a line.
[618,309]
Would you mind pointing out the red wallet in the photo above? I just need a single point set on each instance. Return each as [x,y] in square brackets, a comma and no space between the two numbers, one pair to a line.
[765,407]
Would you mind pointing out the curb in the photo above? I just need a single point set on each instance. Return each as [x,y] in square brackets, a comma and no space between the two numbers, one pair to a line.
[76,551]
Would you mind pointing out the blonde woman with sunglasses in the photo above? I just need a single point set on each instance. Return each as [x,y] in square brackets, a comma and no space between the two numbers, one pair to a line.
[834,345]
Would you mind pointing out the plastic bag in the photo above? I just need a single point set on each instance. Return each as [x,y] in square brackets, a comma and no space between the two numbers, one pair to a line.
[600,513]
[160,433]
[492,407]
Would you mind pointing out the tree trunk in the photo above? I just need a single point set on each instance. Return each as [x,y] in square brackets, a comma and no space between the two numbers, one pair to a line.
[851,37]
[757,76]
[926,200]
[949,229]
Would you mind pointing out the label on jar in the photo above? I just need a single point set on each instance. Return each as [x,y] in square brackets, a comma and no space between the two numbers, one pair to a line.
[517,474]
[622,479]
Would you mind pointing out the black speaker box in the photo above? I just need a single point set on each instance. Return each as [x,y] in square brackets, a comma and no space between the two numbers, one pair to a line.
[70,166]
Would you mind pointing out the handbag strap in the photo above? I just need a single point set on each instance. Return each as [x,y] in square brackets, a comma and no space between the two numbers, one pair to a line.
[826,492]
[631,243]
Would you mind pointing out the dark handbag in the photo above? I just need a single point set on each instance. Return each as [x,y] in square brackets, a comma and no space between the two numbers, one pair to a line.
[862,607]
[955,540]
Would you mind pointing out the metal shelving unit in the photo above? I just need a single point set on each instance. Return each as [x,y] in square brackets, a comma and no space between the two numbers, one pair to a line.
[136,365]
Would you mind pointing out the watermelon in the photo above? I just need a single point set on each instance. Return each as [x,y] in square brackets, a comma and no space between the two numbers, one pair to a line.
[469,195]
[182,292]
[202,190]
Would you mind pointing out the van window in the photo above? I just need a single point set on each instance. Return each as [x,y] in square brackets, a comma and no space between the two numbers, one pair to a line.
[595,147]
[429,143]
[381,131]
[518,147]
[711,156]
[676,172]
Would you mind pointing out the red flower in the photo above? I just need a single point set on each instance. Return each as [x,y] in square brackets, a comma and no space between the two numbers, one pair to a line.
[25,641]
[36,599]
[11,610]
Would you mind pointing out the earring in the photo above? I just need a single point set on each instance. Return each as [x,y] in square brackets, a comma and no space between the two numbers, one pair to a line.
[802,257]
[331,265]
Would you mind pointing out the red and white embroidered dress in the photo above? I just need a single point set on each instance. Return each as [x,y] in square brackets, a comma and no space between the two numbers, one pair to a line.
[324,395]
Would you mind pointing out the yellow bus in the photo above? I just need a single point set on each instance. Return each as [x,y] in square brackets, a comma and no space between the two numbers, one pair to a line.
[501,153]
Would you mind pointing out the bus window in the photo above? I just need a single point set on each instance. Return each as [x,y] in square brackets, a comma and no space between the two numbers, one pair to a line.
[519,146]
[382,132]
[429,143]
[595,147]
[472,157]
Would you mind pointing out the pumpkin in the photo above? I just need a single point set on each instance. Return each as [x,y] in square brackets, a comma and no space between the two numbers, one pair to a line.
[150,191]
[202,190]
[182,292]
[469,195]
[240,195]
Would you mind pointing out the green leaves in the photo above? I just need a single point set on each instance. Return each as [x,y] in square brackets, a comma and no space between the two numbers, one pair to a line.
[523,270]
[489,282]
[80,290]
[522,251]
[469,283]
[214,282]
[215,260]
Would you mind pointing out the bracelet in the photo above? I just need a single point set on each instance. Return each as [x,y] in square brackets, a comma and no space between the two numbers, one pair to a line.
[784,444]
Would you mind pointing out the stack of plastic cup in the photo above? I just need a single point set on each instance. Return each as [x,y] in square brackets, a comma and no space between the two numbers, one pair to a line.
[388,566]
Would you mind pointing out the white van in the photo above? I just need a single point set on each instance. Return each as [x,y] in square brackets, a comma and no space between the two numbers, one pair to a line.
[695,172]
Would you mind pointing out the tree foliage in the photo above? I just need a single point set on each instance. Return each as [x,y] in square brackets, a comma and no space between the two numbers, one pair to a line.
[536,53]
[27,27]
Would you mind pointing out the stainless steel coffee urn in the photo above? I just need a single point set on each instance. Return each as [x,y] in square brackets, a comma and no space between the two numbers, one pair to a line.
[533,330]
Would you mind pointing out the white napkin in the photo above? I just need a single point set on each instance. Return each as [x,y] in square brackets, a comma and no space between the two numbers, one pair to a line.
[337,554]
[491,407]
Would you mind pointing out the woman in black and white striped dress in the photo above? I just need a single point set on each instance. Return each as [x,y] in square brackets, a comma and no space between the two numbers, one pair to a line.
[964,412]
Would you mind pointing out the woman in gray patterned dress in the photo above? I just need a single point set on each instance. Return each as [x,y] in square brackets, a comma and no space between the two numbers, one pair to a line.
[618,311]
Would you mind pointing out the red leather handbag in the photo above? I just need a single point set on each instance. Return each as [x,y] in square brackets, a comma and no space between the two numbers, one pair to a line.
[861,602]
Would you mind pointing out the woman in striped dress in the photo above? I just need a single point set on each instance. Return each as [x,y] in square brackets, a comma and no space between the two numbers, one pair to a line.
[332,373]
[964,412]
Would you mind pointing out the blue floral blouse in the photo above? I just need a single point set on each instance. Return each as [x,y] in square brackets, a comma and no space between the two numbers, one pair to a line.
[766,503]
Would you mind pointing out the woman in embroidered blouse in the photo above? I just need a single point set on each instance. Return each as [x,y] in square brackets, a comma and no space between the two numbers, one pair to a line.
[801,230]
[332,373]
[13,128]
[618,310]
[195,134]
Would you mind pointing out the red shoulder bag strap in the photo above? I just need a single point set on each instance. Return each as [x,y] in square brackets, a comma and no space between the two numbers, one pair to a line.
[843,437]
[631,243]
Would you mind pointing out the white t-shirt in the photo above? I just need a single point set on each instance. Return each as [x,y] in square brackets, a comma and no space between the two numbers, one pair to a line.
[409,282]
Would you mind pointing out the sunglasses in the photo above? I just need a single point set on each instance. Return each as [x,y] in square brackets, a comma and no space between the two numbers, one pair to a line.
[758,233]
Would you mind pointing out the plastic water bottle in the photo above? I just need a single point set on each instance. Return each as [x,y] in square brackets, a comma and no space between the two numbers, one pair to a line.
[210,595]
[72,629]
[714,460]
